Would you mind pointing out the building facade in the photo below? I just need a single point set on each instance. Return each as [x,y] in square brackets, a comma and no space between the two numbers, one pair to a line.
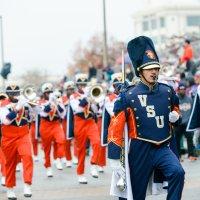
[162,21]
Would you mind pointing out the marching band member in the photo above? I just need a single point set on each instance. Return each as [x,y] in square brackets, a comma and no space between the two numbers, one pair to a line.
[97,93]
[68,88]
[31,94]
[15,114]
[150,109]
[2,156]
[194,120]
[116,80]
[84,128]
[50,127]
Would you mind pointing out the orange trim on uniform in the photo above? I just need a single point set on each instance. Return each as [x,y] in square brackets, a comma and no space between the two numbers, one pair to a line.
[112,96]
[176,108]
[116,128]
[132,127]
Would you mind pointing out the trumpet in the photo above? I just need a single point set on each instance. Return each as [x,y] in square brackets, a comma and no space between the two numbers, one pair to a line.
[30,95]
[97,93]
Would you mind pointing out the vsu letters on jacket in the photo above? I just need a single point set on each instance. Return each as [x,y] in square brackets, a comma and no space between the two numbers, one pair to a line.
[142,105]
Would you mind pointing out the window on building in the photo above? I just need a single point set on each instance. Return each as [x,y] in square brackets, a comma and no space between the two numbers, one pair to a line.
[193,20]
[153,24]
[162,22]
[145,25]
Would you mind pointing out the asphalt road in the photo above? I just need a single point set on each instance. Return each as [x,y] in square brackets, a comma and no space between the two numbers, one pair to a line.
[64,184]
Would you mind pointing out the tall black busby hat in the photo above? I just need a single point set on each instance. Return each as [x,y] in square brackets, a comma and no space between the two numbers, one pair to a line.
[142,53]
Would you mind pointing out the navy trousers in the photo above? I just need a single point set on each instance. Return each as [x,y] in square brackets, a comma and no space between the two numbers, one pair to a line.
[145,157]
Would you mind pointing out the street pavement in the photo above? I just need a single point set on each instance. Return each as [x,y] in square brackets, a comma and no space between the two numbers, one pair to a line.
[64,184]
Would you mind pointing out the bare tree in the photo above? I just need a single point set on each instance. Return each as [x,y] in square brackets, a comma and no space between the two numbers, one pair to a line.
[91,54]
[33,77]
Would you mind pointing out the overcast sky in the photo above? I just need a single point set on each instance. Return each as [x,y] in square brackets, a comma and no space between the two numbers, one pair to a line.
[42,33]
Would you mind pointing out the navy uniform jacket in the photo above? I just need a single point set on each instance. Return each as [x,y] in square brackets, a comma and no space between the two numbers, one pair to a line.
[146,113]
[194,121]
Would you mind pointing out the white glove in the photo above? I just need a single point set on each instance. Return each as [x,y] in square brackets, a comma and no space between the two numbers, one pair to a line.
[173,116]
[20,104]
[197,132]
[59,101]
[52,98]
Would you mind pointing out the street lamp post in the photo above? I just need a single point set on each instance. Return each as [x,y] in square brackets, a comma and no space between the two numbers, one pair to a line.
[2,49]
[105,48]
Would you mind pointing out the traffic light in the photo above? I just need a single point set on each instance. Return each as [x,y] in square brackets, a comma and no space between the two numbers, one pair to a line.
[5,70]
